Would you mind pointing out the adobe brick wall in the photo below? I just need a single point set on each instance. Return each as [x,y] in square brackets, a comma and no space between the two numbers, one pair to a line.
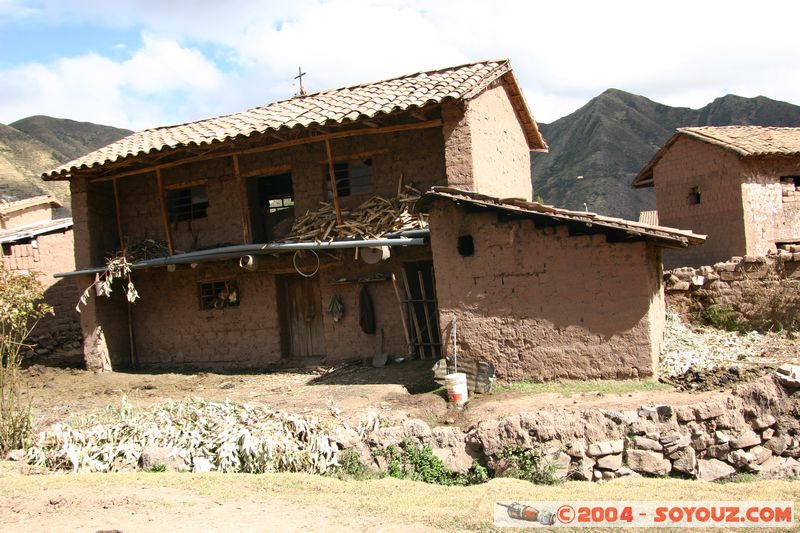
[717,173]
[485,148]
[29,215]
[501,159]
[415,155]
[54,253]
[174,330]
[542,305]
[772,211]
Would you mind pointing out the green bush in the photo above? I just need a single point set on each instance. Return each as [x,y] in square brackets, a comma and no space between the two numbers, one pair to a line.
[418,463]
[21,306]
[721,317]
[530,465]
[352,467]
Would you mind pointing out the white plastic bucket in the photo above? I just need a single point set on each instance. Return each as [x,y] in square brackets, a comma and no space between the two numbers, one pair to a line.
[456,388]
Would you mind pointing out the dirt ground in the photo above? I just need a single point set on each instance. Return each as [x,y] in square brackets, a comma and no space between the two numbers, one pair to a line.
[174,502]
[293,502]
[396,391]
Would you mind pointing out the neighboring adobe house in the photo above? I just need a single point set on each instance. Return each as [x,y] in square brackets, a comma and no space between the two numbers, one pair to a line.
[740,185]
[214,189]
[547,293]
[33,242]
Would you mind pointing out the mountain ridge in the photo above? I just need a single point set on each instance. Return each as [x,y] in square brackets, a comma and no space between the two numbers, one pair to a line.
[610,139]
[33,145]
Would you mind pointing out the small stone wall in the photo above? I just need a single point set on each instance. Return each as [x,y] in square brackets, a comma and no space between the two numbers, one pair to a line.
[758,288]
[754,429]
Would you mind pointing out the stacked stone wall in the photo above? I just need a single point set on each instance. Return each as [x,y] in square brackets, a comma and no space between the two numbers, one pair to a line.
[754,429]
[762,291]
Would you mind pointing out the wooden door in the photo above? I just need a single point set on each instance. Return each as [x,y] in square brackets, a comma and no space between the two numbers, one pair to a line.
[300,308]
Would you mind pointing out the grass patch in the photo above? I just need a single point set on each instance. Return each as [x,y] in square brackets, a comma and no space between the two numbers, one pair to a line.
[570,387]
[741,477]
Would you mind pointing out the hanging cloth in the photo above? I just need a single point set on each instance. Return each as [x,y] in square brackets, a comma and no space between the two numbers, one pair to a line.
[366,311]
[336,308]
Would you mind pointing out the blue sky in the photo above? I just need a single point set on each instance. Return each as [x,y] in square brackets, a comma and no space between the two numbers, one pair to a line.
[144,63]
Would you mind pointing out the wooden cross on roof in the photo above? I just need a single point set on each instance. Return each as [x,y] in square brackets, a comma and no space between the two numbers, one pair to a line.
[299,76]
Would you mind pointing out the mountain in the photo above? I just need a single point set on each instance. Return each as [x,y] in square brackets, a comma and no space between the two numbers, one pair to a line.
[34,145]
[69,138]
[22,160]
[596,151]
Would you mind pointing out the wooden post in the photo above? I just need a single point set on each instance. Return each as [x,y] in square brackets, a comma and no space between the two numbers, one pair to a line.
[164,216]
[332,177]
[118,216]
[246,230]
[403,309]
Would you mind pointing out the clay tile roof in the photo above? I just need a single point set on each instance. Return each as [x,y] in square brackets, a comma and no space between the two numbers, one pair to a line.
[329,107]
[661,235]
[745,141]
[19,205]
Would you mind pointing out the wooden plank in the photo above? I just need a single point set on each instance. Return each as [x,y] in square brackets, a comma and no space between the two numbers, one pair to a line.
[118,216]
[280,145]
[413,313]
[332,177]
[165,218]
[185,184]
[402,315]
[246,229]
[435,353]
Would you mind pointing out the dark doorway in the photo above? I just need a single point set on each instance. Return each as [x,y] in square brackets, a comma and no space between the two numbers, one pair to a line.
[422,309]
[271,206]
[300,310]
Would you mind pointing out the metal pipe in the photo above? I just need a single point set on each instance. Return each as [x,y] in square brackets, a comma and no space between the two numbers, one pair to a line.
[409,233]
[230,252]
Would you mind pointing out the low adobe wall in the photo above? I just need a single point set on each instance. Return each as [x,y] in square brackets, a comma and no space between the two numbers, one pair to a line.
[762,291]
[753,429]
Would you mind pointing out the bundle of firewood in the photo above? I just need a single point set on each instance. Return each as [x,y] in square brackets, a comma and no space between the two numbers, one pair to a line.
[143,249]
[372,219]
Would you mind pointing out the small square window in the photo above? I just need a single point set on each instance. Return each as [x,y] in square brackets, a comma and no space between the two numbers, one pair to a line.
[188,203]
[352,177]
[219,295]
[694,196]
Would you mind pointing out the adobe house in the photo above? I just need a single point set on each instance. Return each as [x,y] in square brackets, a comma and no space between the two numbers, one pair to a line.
[740,185]
[546,293]
[234,287]
[268,244]
[32,241]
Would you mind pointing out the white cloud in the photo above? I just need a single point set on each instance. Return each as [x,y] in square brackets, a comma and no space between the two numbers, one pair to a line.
[225,56]
[162,80]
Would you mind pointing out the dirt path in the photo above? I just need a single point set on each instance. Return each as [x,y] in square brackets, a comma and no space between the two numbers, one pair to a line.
[172,502]
[397,392]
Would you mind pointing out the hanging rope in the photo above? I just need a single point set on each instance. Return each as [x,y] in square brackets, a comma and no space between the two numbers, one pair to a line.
[294,262]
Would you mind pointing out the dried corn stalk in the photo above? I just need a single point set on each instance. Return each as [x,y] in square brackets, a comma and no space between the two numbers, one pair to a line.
[232,437]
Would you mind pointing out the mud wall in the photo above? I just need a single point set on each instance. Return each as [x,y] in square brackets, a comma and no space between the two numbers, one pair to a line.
[541,304]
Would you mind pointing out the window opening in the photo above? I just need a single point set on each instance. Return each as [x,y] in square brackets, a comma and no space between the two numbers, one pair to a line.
[466,246]
[188,203]
[219,295]
[694,196]
[352,177]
